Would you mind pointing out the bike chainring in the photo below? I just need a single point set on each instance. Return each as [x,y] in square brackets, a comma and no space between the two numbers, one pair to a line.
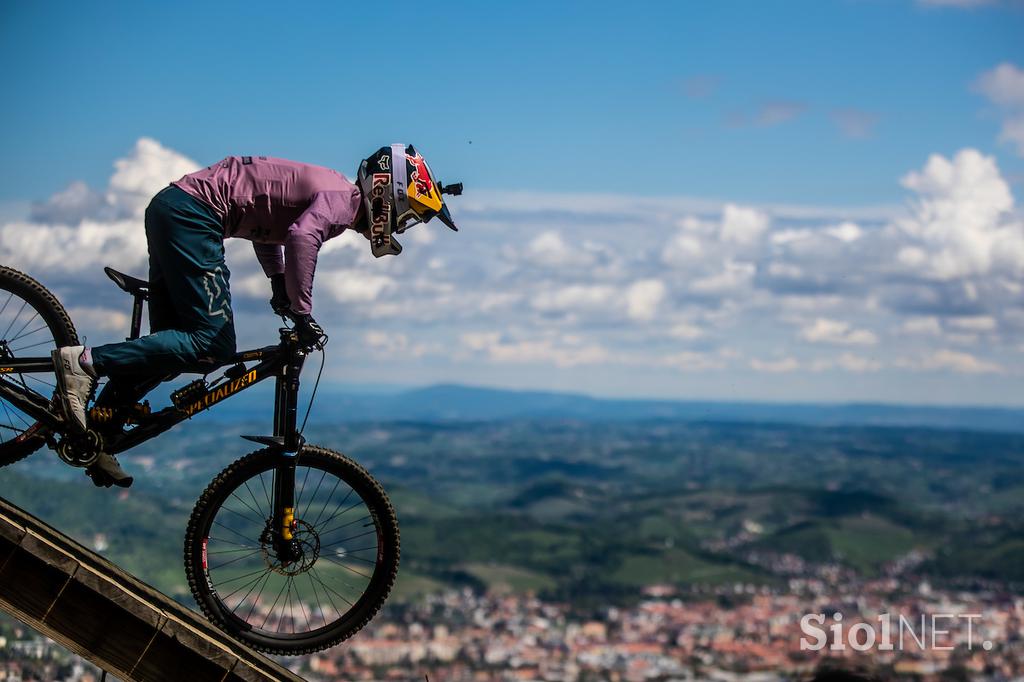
[80,449]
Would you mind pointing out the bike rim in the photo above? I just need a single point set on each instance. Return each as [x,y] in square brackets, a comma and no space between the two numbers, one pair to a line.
[340,545]
[23,333]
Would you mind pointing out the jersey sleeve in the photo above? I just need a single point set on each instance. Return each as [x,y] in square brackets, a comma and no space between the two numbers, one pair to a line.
[328,214]
[271,257]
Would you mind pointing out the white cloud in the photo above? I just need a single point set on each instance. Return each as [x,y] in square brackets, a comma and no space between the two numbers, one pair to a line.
[823,330]
[683,249]
[689,361]
[857,363]
[975,323]
[846,232]
[549,249]
[577,297]
[1003,85]
[353,286]
[928,326]
[742,225]
[644,297]
[1013,132]
[685,331]
[145,171]
[91,317]
[733,277]
[964,363]
[788,364]
[961,223]
[534,351]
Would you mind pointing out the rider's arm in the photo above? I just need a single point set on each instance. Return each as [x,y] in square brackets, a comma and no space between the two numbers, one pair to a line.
[271,257]
[327,216]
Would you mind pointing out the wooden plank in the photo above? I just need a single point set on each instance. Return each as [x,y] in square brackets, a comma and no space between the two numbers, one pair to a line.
[110,617]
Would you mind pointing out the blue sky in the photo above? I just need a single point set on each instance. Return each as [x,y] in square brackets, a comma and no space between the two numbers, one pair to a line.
[640,136]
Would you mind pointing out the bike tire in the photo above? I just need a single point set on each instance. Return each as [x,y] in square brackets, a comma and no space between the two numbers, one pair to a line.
[242,476]
[30,435]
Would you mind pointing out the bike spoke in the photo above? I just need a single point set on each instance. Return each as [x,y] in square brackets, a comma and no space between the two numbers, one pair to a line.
[48,384]
[344,511]
[256,599]
[271,610]
[246,505]
[218,523]
[240,577]
[18,334]
[243,516]
[323,613]
[26,334]
[351,537]
[349,523]
[23,304]
[7,302]
[299,490]
[328,588]
[270,505]
[233,551]
[347,568]
[254,500]
[236,559]
[47,342]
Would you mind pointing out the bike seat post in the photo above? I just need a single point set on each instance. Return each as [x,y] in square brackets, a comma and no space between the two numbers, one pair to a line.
[136,330]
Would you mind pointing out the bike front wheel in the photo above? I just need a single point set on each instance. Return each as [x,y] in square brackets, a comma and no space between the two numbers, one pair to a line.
[345,563]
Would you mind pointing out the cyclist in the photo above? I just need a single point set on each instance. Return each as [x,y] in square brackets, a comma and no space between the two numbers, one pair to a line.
[288,210]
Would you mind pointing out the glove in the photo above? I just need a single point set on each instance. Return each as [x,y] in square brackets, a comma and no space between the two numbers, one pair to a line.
[279,301]
[311,335]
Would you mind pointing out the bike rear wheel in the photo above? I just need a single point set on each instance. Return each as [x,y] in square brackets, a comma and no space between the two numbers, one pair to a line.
[32,323]
[348,534]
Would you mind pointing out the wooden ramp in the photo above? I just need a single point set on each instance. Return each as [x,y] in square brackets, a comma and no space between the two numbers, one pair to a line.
[95,609]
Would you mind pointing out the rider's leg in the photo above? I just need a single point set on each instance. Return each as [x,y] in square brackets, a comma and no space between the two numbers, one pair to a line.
[191,285]
[190,315]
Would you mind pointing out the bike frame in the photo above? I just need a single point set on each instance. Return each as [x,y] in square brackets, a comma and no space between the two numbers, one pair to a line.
[283,362]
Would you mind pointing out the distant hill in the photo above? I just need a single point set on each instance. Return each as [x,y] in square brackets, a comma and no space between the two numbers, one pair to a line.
[452,402]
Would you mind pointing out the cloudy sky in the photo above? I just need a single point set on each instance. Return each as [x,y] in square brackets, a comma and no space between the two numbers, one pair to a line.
[807,201]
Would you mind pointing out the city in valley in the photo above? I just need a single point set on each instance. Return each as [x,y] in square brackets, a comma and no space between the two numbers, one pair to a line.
[633,550]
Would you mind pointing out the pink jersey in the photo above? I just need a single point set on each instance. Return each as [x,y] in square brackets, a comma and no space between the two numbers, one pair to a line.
[287,209]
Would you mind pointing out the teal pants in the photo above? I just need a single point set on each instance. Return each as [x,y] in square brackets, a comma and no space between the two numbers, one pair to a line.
[189,301]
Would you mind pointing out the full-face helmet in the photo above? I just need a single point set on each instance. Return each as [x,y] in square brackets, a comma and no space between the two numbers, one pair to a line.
[400,191]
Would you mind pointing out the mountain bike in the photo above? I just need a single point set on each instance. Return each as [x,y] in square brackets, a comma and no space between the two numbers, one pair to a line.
[291,548]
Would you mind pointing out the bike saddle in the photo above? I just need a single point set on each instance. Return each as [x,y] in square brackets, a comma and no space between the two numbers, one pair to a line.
[133,285]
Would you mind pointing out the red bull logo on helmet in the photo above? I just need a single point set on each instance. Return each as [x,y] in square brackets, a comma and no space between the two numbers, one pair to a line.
[380,203]
[420,175]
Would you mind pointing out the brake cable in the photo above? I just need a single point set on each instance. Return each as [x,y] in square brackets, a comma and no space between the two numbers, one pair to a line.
[316,385]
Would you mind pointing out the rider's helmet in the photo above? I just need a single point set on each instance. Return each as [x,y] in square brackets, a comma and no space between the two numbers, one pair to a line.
[399,191]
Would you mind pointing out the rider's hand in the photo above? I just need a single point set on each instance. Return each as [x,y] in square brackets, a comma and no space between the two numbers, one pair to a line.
[279,301]
[309,332]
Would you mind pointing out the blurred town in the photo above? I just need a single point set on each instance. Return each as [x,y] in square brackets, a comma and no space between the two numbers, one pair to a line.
[731,633]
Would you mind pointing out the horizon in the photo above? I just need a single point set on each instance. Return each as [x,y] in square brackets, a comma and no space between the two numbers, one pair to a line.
[808,203]
[358,389]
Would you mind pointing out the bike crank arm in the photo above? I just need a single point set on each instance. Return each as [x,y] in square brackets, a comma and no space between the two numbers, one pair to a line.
[30,402]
